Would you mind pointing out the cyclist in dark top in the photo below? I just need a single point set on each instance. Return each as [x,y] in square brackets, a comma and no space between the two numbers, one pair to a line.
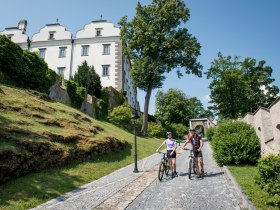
[197,144]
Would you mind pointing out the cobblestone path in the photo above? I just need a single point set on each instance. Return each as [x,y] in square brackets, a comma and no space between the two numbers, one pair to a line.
[211,192]
[124,189]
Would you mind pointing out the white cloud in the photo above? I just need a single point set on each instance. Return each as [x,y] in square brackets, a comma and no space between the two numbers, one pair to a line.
[206,98]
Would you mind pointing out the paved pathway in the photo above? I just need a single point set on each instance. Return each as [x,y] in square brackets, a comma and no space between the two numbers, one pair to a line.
[125,189]
[211,192]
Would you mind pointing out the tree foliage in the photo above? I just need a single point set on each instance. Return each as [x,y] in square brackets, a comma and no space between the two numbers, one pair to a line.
[88,78]
[238,86]
[121,116]
[23,68]
[157,43]
[76,94]
[175,107]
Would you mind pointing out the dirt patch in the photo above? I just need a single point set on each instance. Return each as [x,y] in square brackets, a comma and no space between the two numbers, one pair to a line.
[38,116]
[82,118]
[52,122]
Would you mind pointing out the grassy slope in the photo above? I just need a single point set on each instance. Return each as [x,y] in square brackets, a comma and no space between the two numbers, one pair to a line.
[28,112]
[245,176]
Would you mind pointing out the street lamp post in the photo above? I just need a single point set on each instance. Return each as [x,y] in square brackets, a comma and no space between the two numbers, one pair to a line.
[178,135]
[135,117]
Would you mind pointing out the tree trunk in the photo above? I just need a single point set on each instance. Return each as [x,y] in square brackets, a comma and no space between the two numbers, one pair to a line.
[146,111]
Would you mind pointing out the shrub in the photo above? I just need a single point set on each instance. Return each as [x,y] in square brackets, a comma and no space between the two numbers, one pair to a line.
[269,169]
[235,143]
[76,94]
[23,68]
[155,130]
[210,133]
[121,116]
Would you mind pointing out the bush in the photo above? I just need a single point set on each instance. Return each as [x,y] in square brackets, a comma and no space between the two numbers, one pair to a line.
[269,169]
[121,116]
[156,130]
[210,133]
[76,94]
[235,143]
[23,68]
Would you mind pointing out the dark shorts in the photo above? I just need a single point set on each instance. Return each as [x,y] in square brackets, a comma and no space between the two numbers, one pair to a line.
[171,156]
[197,153]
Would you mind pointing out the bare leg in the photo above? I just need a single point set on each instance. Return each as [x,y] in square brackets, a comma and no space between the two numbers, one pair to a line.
[201,165]
[170,163]
[174,164]
[196,165]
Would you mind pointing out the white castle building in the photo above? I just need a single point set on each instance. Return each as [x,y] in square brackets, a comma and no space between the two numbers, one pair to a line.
[98,43]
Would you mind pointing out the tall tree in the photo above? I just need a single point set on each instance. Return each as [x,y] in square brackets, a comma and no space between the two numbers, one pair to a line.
[157,43]
[238,86]
[175,107]
[88,78]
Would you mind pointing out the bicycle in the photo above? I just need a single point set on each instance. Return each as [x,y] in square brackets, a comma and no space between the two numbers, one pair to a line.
[191,164]
[163,166]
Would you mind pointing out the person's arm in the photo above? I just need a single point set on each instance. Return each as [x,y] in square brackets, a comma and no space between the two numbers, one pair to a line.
[187,141]
[163,143]
[174,148]
[201,145]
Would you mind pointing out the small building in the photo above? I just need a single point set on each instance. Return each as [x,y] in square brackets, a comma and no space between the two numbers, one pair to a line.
[99,43]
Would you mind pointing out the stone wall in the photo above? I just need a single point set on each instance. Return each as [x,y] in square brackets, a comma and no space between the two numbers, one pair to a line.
[58,93]
[266,122]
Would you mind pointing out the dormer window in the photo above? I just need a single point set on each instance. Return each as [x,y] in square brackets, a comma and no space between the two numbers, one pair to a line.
[98,32]
[51,36]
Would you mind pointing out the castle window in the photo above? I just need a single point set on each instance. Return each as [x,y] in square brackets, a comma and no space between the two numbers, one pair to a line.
[51,35]
[10,36]
[85,50]
[62,52]
[61,71]
[106,49]
[98,32]
[42,52]
[105,70]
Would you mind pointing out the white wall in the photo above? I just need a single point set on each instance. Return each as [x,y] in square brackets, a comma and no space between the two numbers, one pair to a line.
[60,33]
[96,58]
[86,36]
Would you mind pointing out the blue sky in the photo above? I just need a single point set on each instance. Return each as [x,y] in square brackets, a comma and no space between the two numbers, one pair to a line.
[247,28]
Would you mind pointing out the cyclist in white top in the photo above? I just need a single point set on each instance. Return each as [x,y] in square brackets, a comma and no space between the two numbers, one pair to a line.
[171,147]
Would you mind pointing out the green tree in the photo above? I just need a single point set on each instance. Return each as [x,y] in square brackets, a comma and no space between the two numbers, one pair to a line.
[238,86]
[88,78]
[157,43]
[23,68]
[175,107]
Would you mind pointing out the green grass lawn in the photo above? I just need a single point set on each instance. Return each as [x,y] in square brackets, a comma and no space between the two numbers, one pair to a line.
[24,114]
[245,176]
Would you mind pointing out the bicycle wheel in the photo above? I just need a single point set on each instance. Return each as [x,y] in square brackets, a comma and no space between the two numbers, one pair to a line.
[166,168]
[190,164]
[161,171]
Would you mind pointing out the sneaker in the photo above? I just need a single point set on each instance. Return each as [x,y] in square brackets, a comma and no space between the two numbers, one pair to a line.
[198,175]
[175,174]
[202,173]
